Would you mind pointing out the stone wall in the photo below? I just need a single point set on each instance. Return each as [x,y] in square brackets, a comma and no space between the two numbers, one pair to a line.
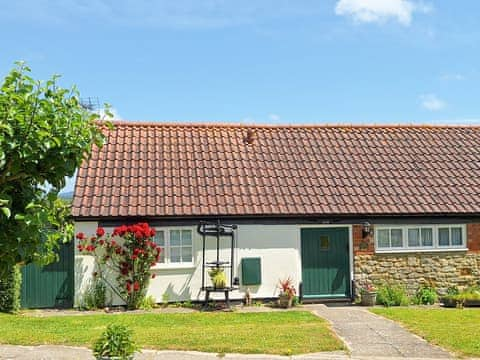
[441,269]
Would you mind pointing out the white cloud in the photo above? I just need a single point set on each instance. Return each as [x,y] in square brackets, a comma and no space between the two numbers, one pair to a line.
[379,11]
[452,77]
[274,117]
[432,102]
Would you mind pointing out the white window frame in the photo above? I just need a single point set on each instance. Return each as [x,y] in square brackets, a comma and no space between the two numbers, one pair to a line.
[166,249]
[435,246]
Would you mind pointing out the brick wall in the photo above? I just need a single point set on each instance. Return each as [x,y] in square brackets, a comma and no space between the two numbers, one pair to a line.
[362,245]
[473,237]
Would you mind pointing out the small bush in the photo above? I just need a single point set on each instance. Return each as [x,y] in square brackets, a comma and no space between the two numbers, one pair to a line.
[116,341]
[95,296]
[453,290]
[147,303]
[392,295]
[10,288]
[426,295]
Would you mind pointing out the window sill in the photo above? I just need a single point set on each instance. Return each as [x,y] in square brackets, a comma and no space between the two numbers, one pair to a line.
[187,266]
[407,251]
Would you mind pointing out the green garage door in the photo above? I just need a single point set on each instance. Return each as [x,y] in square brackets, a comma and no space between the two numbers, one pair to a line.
[49,286]
[325,262]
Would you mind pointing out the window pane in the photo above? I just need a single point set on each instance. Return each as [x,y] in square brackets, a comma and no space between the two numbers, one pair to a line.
[187,237]
[175,238]
[413,237]
[396,237]
[427,237]
[456,236]
[383,238]
[443,237]
[186,254]
[175,255]
[159,238]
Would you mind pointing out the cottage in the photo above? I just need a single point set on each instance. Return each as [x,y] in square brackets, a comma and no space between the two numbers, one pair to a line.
[331,207]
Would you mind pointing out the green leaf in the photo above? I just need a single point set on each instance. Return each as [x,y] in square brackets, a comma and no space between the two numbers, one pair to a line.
[6,212]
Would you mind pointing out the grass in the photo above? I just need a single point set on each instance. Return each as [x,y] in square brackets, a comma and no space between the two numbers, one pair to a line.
[286,333]
[453,329]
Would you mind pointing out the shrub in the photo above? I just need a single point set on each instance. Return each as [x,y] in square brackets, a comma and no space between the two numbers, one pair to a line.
[452,290]
[392,295]
[426,295]
[130,252]
[95,296]
[116,341]
[10,288]
[147,303]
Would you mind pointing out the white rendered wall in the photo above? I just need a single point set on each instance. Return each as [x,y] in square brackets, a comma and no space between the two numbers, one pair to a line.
[278,246]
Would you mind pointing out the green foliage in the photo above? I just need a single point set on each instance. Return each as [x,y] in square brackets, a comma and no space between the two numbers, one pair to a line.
[452,290]
[44,136]
[425,295]
[147,303]
[116,341]
[95,296]
[296,301]
[218,277]
[392,295]
[468,297]
[165,298]
[10,287]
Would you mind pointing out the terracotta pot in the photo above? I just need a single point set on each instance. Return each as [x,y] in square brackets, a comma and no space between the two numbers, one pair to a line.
[285,301]
[369,298]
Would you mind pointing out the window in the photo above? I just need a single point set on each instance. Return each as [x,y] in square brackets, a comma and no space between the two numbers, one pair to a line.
[324,242]
[390,238]
[177,246]
[420,237]
[450,236]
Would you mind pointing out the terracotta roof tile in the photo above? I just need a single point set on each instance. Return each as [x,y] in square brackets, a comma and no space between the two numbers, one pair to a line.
[158,170]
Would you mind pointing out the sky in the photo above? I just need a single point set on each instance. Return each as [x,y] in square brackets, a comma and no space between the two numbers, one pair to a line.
[257,61]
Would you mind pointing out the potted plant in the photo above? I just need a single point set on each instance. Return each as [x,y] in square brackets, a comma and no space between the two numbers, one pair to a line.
[368,295]
[115,344]
[287,293]
[218,277]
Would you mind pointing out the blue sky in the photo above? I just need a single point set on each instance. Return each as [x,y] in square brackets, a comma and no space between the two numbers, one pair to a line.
[262,61]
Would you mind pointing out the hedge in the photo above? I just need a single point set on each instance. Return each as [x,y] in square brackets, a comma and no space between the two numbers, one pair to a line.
[10,287]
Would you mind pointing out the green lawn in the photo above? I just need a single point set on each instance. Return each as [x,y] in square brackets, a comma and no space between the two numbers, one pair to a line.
[292,332]
[453,329]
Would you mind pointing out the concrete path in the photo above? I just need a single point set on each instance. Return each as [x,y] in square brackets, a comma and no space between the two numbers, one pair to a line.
[368,335]
[48,352]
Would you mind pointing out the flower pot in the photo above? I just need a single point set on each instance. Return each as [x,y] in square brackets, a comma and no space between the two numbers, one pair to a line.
[114,358]
[449,302]
[285,301]
[369,298]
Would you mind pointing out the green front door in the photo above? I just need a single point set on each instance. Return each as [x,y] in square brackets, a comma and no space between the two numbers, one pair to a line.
[325,262]
[49,286]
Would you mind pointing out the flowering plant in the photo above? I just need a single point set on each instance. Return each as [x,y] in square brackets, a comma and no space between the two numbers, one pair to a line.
[368,288]
[286,288]
[130,252]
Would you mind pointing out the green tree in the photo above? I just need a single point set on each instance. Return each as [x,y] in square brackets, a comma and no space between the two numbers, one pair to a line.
[45,134]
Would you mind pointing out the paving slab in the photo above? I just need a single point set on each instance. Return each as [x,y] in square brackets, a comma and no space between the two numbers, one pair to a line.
[368,335]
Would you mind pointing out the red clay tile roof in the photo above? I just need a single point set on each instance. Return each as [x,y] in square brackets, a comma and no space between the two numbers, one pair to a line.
[156,170]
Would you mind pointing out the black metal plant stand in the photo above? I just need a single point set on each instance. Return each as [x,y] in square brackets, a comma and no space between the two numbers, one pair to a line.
[217,230]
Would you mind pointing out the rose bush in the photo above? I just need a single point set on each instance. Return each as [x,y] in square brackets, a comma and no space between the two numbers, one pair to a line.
[129,251]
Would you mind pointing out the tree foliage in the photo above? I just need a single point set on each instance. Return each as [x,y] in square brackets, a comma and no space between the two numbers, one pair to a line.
[44,135]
